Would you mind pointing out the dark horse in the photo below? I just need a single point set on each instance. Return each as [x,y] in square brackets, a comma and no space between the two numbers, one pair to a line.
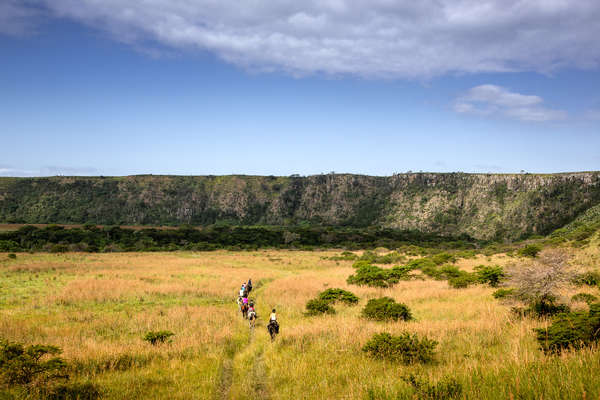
[244,309]
[273,329]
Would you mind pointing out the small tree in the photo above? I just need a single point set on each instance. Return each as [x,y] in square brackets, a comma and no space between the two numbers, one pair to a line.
[23,365]
[490,274]
[540,282]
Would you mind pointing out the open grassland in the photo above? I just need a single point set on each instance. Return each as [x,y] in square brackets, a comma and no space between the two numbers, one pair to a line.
[97,308]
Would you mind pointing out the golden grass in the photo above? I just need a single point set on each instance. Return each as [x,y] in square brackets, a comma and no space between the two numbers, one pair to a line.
[97,307]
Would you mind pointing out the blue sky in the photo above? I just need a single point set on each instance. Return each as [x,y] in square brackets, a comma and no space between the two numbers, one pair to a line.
[203,87]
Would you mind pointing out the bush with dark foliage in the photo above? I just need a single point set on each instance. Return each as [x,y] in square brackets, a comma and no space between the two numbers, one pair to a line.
[571,330]
[405,348]
[318,307]
[386,309]
[335,294]
[157,337]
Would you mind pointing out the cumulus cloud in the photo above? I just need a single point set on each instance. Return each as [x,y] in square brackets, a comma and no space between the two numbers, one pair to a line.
[367,38]
[487,100]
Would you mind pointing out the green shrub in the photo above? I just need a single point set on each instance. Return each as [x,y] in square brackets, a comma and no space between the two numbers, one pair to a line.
[21,365]
[503,293]
[449,271]
[318,306]
[445,389]
[546,307]
[333,295]
[491,275]
[572,330]
[405,348]
[421,263]
[369,275]
[386,309]
[590,278]
[12,256]
[531,250]
[462,281]
[157,337]
[399,272]
[432,271]
[73,391]
[443,258]
[584,297]
[361,263]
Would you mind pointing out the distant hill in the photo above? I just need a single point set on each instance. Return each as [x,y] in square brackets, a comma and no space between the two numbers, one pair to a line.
[483,206]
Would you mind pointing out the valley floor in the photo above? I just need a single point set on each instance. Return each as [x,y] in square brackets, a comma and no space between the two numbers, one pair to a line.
[97,308]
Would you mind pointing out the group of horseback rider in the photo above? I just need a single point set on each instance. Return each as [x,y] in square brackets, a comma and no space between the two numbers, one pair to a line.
[246,306]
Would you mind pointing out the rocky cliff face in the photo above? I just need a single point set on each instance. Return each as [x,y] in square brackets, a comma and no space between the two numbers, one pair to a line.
[481,205]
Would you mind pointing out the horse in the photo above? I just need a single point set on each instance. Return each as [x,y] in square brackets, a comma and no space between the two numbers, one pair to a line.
[252,317]
[244,309]
[273,329]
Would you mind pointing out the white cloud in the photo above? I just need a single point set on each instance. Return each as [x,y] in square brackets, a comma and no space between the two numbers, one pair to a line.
[16,17]
[367,38]
[495,100]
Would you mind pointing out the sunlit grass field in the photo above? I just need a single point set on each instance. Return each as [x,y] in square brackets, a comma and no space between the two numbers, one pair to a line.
[97,308]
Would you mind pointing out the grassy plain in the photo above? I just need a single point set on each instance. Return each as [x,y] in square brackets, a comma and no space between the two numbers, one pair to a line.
[97,307]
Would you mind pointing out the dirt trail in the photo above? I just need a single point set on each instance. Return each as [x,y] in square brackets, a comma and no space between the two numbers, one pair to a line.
[258,389]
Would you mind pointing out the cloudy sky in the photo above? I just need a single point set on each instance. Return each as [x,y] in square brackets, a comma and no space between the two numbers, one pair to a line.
[119,87]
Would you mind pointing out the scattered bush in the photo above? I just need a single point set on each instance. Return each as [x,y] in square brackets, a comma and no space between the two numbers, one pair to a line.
[462,281]
[421,263]
[503,293]
[443,258]
[445,389]
[318,307]
[572,330]
[386,309]
[584,297]
[591,278]
[531,250]
[449,271]
[406,348]
[361,263]
[546,307]
[333,295]
[157,337]
[12,256]
[370,275]
[491,275]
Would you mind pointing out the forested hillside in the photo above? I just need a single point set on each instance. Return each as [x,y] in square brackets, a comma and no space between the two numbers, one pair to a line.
[483,206]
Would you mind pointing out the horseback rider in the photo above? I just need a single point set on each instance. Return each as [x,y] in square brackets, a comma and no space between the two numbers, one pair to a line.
[273,326]
[249,285]
[243,290]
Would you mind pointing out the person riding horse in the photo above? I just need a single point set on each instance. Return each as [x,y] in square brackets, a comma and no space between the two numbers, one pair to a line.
[252,315]
[273,326]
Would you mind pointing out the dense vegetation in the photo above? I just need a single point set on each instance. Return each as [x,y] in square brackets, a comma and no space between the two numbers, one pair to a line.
[93,239]
[483,206]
